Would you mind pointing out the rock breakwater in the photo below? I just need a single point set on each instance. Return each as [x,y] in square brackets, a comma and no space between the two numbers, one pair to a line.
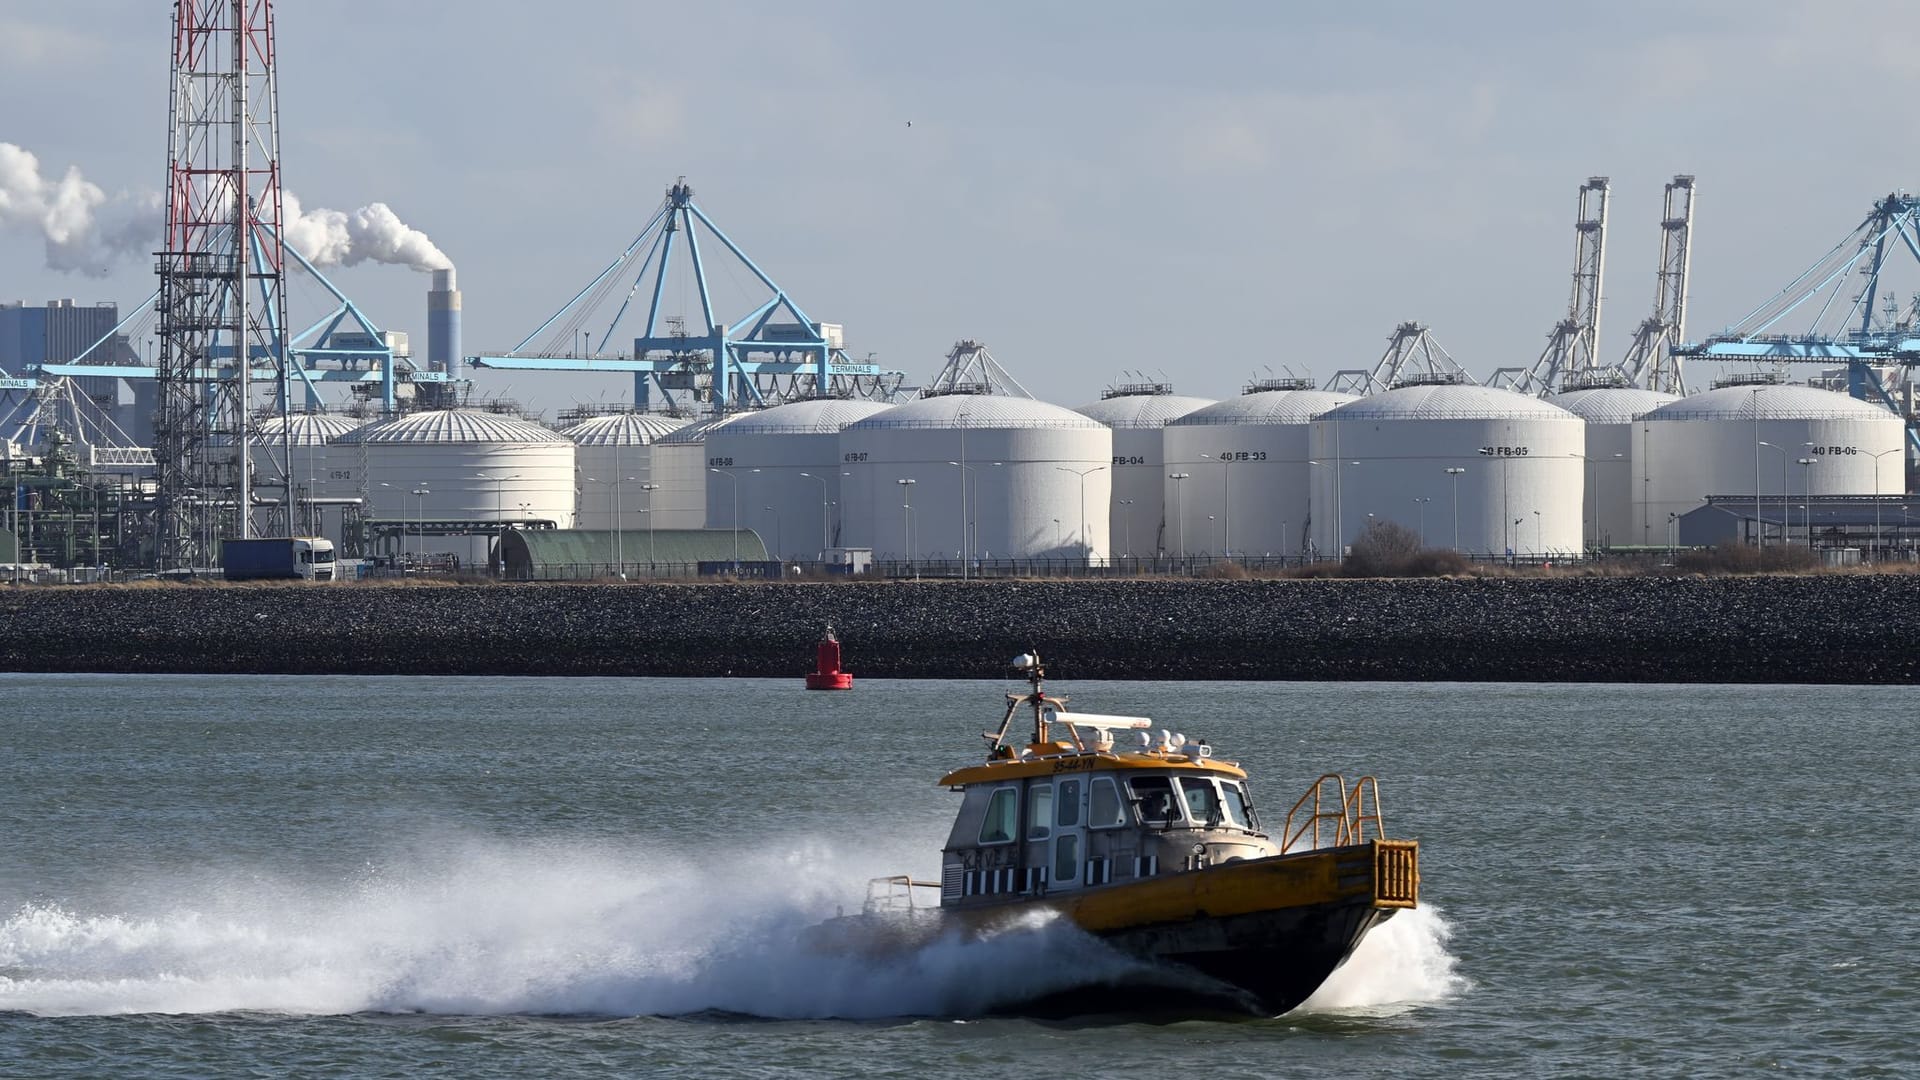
[1839,629]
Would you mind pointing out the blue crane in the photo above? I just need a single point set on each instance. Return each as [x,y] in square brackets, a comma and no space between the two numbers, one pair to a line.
[1824,316]
[773,352]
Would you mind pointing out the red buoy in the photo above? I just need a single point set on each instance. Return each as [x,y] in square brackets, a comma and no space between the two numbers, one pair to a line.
[826,673]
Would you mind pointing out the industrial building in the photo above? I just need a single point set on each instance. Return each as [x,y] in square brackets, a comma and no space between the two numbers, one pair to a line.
[977,476]
[1238,474]
[1138,413]
[1474,468]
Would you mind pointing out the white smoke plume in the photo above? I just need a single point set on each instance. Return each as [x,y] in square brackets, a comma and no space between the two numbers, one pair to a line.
[349,237]
[86,231]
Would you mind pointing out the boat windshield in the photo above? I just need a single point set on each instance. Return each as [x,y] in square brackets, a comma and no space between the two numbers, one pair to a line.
[1154,796]
[1239,810]
[1203,802]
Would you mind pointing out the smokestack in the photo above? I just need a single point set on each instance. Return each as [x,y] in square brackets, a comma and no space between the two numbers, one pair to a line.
[443,324]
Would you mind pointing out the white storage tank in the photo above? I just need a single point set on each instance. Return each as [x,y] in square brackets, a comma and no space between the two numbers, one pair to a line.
[1246,478]
[613,462]
[680,468]
[303,438]
[1615,467]
[473,465]
[781,468]
[1388,458]
[1750,439]
[1138,521]
[1038,480]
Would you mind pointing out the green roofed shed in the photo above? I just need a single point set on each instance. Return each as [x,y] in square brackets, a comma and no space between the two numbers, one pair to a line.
[585,553]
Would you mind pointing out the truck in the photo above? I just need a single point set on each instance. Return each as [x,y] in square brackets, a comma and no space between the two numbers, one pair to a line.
[289,558]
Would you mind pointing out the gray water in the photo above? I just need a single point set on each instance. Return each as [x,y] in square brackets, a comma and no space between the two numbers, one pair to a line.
[206,876]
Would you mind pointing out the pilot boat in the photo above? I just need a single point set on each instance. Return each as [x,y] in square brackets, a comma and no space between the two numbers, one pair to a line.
[1158,849]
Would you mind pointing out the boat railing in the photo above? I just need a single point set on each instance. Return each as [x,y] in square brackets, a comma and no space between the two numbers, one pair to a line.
[894,893]
[1331,814]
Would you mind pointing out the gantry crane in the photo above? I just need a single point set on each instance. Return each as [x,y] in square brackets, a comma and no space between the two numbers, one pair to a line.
[1412,356]
[1652,361]
[1573,345]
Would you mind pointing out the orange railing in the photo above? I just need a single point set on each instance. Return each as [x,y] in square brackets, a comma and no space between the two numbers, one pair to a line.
[1339,816]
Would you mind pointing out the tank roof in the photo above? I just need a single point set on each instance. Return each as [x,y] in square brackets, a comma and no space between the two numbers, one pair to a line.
[1774,402]
[1266,407]
[623,429]
[1449,401]
[305,429]
[1611,404]
[442,426]
[1141,410]
[695,433]
[820,416]
[975,411]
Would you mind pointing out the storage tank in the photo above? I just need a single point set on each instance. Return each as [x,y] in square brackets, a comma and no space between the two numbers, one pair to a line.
[1038,479]
[781,468]
[1236,474]
[1137,521]
[1615,469]
[680,468]
[613,464]
[1750,439]
[304,439]
[475,466]
[1390,457]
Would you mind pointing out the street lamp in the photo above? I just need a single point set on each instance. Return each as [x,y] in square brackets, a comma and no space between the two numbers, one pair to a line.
[1876,496]
[1059,543]
[649,489]
[1420,508]
[1086,548]
[729,474]
[1785,526]
[499,506]
[1339,505]
[1539,545]
[826,518]
[1226,499]
[1181,521]
[906,514]
[777,545]
[420,493]
[1126,527]
[1453,473]
[1806,492]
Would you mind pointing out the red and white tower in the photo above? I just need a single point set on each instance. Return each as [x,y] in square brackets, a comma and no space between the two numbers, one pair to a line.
[221,270]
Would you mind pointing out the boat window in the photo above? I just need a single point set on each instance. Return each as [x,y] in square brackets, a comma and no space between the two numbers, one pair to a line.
[1239,810]
[1154,796]
[1203,803]
[1069,805]
[1106,812]
[1039,810]
[1066,857]
[999,826]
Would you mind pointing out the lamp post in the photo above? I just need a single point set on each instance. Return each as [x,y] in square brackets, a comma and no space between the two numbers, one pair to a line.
[1339,504]
[1058,542]
[777,545]
[649,489]
[1539,544]
[499,504]
[1453,473]
[1086,548]
[420,493]
[1420,507]
[1126,527]
[1759,534]
[826,518]
[1785,524]
[1180,521]
[1806,492]
[1226,500]
[1673,540]
[1876,496]
[964,470]
[729,474]
[906,515]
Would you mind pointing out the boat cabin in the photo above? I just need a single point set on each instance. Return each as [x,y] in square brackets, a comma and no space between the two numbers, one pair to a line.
[1076,812]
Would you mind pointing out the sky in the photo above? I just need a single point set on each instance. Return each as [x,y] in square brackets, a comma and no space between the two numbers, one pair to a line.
[1216,192]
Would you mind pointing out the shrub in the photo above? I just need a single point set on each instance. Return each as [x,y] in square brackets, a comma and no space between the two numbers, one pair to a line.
[1390,549]
[1746,559]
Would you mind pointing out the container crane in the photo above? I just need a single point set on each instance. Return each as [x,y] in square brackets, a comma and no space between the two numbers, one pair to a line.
[1824,316]
[1573,345]
[736,363]
[1652,361]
